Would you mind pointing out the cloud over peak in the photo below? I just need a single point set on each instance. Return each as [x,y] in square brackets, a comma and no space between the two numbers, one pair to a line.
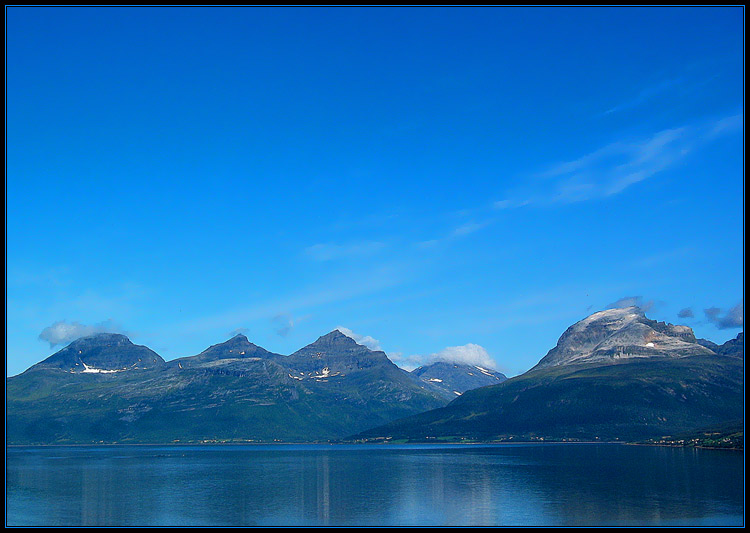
[468,354]
[364,340]
[63,332]
[632,301]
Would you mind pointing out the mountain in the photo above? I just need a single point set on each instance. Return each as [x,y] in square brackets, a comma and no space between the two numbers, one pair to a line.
[618,334]
[334,354]
[336,367]
[601,382]
[238,347]
[733,347]
[327,390]
[453,379]
[102,353]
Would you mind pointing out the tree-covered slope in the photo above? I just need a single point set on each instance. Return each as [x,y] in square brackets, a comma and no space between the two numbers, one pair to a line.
[624,401]
[232,391]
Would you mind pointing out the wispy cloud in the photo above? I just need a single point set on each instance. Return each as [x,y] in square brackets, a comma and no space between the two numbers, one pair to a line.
[456,233]
[510,204]
[615,167]
[467,229]
[63,332]
[726,125]
[332,251]
[632,301]
[283,324]
[647,94]
[666,256]
[686,313]
[339,288]
[239,331]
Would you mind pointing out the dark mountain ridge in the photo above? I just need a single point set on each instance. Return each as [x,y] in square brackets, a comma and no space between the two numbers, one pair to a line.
[603,381]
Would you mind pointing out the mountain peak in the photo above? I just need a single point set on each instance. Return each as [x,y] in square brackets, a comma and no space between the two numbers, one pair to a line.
[237,340]
[453,379]
[336,333]
[102,352]
[237,347]
[337,352]
[102,339]
[336,337]
[621,333]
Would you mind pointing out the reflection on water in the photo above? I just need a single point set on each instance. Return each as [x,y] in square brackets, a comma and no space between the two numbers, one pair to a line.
[374,485]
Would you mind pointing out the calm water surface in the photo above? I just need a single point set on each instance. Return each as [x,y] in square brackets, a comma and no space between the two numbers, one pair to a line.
[534,485]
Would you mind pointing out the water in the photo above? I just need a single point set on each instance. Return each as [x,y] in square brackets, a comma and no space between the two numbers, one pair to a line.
[493,485]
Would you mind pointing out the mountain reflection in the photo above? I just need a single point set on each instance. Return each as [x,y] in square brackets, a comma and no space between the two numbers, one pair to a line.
[372,485]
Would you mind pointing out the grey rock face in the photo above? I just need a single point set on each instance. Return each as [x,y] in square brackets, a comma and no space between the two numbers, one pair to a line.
[626,333]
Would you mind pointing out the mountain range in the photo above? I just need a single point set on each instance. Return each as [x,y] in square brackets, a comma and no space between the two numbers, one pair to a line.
[615,375]
[104,388]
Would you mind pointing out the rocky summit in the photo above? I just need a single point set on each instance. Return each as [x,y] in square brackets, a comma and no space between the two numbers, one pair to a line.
[619,334]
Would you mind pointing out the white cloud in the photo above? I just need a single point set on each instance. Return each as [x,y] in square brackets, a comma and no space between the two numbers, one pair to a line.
[409,362]
[468,354]
[364,340]
[63,332]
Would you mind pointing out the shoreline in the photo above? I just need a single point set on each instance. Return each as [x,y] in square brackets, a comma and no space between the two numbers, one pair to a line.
[360,444]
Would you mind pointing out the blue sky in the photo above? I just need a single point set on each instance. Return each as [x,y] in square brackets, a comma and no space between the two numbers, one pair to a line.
[429,178]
